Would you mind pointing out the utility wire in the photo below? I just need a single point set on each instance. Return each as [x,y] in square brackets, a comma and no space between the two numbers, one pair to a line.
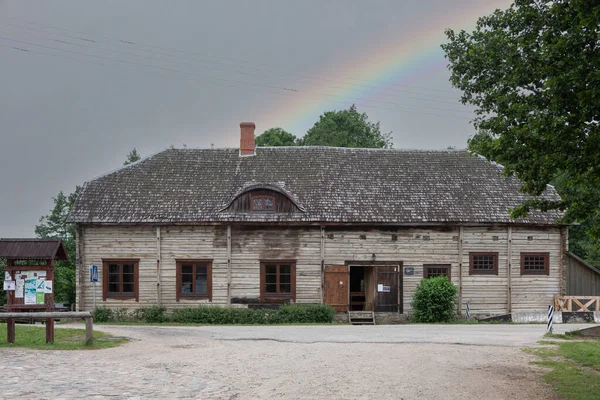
[245,62]
[275,87]
[162,71]
[130,46]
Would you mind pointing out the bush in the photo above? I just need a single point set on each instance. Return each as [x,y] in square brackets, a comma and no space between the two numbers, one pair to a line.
[434,300]
[152,315]
[103,314]
[292,313]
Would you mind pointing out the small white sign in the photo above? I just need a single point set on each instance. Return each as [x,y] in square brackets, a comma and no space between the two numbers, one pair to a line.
[48,287]
[9,285]
[7,276]
[380,287]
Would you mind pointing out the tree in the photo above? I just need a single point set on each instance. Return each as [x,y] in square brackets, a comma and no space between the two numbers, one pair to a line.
[132,157]
[55,225]
[531,71]
[275,137]
[346,128]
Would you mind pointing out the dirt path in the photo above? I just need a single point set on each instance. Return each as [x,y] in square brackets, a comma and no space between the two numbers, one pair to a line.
[220,363]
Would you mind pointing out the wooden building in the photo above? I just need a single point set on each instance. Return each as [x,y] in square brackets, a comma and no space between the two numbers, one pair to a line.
[354,228]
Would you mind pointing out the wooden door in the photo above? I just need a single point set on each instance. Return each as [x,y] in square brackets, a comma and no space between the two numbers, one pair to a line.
[335,289]
[387,289]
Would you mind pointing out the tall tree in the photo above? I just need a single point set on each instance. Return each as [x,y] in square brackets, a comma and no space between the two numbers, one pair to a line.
[346,128]
[132,157]
[531,71]
[55,225]
[275,137]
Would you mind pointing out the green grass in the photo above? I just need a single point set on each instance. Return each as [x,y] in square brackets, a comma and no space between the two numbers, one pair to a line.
[574,366]
[34,337]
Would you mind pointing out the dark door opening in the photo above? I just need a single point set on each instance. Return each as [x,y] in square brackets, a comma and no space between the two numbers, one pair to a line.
[361,288]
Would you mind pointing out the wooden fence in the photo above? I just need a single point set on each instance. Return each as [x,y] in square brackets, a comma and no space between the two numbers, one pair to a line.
[46,316]
[582,278]
[577,303]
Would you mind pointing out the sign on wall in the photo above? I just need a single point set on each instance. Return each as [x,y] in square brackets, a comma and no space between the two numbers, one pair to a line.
[409,271]
[93,273]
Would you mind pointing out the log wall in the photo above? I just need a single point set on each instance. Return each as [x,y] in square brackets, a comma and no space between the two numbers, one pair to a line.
[413,247]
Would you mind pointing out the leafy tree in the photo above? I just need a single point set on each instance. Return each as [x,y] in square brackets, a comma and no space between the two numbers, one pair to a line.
[132,157]
[54,225]
[531,71]
[346,128]
[275,137]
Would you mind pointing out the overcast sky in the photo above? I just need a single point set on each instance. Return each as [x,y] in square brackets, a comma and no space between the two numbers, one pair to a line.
[83,82]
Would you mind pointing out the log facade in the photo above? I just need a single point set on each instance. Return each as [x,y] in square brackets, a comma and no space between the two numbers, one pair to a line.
[236,275]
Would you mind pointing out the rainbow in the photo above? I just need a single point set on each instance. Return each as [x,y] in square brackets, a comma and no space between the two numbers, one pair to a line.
[404,61]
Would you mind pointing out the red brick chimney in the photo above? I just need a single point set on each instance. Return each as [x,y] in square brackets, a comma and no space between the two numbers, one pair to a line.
[247,139]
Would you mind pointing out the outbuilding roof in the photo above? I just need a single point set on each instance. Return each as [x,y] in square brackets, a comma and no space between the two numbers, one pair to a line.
[33,249]
[329,185]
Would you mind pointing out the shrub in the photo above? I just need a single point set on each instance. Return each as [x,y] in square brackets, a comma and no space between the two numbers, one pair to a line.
[434,300]
[152,314]
[121,315]
[292,313]
[103,314]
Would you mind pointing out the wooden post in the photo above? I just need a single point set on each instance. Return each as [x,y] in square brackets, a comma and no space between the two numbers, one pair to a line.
[79,260]
[10,326]
[158,267]
[460,268]
[50,330]
[322,263]
[89,331]
[228,265]
[509,264]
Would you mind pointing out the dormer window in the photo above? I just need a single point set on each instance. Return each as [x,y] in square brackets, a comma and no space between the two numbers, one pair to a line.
[263,203]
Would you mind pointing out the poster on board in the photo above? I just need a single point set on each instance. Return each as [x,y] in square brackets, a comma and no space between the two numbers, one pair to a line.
[30,291]
[19,286]
[48,288]
[9,285]
[40,289]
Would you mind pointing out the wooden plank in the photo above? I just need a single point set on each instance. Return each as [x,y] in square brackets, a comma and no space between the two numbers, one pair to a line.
[336,287]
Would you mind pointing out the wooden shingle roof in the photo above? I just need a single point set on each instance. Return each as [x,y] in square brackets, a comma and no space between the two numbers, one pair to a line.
[330,185]
[33,249]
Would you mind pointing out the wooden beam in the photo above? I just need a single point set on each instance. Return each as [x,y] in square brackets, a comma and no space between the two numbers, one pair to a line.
[460,268]
[564,247]
[509,273]
[229,265]
[79,264]
[158,267]
[42,316]
[322,263]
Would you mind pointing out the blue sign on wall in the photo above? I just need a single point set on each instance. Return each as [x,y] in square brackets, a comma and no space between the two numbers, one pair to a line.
[93,273]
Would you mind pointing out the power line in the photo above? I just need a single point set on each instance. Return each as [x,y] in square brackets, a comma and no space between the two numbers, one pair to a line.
[351,87]
[275,87]
[183,74]
[245,62]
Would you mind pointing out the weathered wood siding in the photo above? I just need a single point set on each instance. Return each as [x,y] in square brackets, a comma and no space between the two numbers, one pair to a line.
[582,278]
[535,292]
[413,247]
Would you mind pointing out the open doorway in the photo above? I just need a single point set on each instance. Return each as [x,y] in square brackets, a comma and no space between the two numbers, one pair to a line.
[362,288]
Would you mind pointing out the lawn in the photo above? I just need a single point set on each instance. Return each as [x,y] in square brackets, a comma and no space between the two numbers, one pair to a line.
[34,337]
[574,367]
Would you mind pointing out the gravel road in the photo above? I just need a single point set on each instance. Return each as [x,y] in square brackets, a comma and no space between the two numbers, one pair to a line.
[288,362]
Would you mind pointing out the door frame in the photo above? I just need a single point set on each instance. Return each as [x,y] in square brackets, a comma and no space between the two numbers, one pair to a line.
[375,264]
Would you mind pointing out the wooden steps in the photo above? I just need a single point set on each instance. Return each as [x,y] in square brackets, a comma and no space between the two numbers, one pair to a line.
[361,317]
